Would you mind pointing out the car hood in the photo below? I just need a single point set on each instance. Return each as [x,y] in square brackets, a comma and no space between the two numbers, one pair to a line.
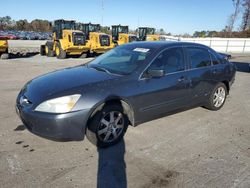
[63,81]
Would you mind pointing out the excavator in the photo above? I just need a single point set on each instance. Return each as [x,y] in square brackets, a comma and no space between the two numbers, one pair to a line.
[99,42]
[4,48]
[120,35]
[67,41]
[147,34]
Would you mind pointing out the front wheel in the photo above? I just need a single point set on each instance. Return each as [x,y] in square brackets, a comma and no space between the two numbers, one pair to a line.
[60,53]
[217,97]
[108,126]
[49,50]
[83,56]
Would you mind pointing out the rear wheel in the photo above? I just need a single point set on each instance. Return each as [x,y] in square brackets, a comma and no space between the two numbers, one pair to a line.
[108,126]
[42,50]
[5,56]
[60,53]
[217,98]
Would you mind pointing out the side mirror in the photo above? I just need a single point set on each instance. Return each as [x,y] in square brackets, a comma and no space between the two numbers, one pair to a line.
[153,73]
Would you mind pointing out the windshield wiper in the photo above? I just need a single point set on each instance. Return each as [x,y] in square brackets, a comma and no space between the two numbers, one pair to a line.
[101,69]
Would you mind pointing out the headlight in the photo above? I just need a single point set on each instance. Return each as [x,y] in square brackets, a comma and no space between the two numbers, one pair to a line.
[58,105]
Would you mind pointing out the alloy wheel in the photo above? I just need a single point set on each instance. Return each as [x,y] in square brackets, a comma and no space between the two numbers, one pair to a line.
[219,97]
[111,126]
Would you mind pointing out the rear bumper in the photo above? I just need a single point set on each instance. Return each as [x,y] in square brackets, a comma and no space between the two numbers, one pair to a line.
[60,127]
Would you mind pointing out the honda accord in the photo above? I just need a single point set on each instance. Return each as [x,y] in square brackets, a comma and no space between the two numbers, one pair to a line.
[131,84]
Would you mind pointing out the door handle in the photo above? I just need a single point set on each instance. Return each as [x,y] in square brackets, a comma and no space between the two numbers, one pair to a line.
[181,79]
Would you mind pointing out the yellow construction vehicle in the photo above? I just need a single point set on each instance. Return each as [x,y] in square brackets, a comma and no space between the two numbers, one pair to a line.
[4,48]
[148,34]
[66,41]
[99,42]
[120,35]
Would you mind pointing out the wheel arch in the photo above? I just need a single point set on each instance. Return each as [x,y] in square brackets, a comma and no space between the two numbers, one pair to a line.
[227,85]
[128,110]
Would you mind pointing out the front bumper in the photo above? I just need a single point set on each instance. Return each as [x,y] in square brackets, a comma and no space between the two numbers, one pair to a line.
[60,127]
[101,50]
[77,50]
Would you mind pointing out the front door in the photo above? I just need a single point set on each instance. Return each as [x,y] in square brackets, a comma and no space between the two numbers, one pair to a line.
[158,95]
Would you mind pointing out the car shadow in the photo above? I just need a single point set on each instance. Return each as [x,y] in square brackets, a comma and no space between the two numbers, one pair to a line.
[112,166]
[242,67]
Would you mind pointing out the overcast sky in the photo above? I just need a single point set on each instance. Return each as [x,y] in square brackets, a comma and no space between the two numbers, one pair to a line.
[175,16]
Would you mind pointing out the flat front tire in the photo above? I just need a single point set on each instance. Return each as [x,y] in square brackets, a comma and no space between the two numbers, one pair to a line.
[108,126]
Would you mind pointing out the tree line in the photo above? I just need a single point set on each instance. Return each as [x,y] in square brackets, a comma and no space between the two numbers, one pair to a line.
[240,6]
[6,23]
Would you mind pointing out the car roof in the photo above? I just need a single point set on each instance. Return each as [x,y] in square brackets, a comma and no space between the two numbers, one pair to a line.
[162,44]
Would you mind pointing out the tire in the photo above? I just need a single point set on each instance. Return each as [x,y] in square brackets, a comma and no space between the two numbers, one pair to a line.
[102,131]
[42,50]
[84,55]
[217,98]
[60,53]
[49,49]
[5,56]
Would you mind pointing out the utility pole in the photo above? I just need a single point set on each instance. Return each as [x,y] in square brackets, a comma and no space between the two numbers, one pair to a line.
[102,10]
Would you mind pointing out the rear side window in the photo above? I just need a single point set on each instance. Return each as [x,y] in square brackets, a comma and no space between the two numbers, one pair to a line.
[198,57]
[215,61]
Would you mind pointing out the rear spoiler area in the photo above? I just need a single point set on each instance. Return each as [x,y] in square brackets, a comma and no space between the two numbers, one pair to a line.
[225,56]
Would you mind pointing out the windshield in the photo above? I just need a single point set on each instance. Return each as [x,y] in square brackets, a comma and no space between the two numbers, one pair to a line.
[123,29]
[121,60]
[94,28]
[151,31]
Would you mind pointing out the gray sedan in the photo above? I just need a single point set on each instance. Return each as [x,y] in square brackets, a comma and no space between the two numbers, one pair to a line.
[128,85]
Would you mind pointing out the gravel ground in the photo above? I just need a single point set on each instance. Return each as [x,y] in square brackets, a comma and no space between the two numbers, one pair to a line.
[193,148]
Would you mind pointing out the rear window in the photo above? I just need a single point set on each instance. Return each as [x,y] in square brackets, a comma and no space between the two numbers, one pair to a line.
[198,57]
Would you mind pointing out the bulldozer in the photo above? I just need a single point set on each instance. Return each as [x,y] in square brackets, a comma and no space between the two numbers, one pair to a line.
[120,35]
[67,41]
[148,34]
[4,48]
[99,42]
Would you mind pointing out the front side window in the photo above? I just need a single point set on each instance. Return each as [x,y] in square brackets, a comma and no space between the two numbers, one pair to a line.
[170,60]
[198,57]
